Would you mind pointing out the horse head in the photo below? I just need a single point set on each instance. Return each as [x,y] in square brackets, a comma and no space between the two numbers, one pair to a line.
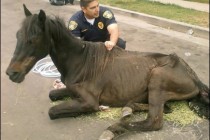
[32,45]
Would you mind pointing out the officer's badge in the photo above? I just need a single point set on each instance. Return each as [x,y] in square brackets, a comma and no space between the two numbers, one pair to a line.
[100,25]
[107,14]
[72,25]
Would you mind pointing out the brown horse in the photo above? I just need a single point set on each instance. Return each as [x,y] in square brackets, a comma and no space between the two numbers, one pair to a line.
[95,76]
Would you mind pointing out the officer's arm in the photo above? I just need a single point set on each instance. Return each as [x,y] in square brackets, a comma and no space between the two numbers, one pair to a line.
[114,35]
[114,32]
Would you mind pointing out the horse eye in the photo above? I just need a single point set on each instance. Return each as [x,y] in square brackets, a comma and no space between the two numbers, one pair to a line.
[29,42]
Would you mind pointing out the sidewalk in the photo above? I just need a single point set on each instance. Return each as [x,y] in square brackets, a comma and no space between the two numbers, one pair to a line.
[187,4]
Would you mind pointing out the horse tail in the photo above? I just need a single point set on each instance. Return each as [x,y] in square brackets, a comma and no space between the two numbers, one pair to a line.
[199,104]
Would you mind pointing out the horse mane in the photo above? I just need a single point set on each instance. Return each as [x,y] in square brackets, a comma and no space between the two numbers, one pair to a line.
[57,28]
[98,57]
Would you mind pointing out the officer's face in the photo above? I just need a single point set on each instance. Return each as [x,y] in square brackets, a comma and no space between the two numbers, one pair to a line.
[92,10]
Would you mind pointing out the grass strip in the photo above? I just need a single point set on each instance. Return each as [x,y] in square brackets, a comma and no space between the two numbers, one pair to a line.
[200,1]
[169,11]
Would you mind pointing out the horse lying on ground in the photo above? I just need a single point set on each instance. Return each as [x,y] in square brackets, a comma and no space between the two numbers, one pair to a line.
[95,76]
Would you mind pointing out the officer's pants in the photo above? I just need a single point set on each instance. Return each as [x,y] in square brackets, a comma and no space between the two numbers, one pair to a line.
[121,43]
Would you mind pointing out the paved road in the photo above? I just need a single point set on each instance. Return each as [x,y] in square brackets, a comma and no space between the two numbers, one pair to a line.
[24,107]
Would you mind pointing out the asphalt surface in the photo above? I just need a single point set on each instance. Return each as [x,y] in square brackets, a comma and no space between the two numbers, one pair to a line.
[24,107]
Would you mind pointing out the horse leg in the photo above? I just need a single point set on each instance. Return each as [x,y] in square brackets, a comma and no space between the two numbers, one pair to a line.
[118,129]
[138,107]
[153,122]
[71,108]
[156,102]
[60,94]
[86,102]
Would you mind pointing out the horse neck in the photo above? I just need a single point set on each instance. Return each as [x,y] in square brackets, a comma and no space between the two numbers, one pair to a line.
[64,46]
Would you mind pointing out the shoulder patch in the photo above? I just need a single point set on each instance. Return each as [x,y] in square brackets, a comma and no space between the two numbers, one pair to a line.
[72,25]
[108,14]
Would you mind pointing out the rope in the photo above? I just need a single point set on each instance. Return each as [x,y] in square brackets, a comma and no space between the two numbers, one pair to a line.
[46,68]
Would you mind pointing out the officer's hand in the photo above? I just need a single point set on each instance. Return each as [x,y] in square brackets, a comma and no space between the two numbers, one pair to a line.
[109,45]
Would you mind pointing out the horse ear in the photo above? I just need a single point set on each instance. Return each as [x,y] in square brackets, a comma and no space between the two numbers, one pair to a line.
[42,16]
[27,12]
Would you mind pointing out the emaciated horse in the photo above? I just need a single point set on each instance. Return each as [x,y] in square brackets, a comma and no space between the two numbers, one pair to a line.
[95,76]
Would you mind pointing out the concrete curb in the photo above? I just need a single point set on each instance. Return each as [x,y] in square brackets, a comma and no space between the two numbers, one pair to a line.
[196,31]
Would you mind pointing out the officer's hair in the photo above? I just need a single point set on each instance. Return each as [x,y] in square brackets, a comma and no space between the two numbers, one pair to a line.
[84,3]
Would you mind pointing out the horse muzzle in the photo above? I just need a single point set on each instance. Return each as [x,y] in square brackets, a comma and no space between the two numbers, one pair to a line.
[18,69]
[15,76]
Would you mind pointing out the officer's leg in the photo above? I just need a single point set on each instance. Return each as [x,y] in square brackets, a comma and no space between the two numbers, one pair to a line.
[121,43]
[66,1]
[72,2]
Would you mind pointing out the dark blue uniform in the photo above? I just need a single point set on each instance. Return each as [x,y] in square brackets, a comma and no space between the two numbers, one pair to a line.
[80,27]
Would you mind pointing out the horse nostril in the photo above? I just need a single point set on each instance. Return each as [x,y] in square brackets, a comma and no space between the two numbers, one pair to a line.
[11,72]
[8,73]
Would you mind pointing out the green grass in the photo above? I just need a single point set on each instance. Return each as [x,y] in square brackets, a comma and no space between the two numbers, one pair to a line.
[168,11]
[200,1]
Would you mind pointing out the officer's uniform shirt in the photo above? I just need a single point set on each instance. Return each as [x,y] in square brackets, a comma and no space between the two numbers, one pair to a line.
[80,27]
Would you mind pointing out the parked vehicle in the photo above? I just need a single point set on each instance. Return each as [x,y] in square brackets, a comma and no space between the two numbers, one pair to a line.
[61,2]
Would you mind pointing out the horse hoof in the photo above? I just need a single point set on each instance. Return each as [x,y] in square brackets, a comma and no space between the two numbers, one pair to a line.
[52,95]
[52,114]
[126,111]
[52,98]
[106,135]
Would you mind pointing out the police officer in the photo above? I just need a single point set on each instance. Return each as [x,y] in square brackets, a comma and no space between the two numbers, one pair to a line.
[96,23]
